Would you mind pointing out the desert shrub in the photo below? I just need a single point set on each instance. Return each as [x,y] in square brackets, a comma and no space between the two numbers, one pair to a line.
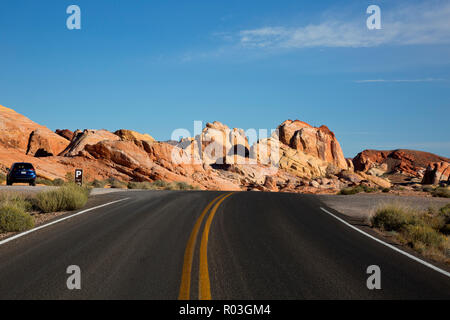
[58,182]
[160,184]
[2,178]
[369,189]
[68,197]
[444,212]
[423,234]
[351,190]
[142,185]
[14,219]
[97,184]
[386,190]
[44,181]
[116,183]
[424,231]
[17,200]
[441,192]
[70,177]
[427,188]
[179,186]
[183,186]
[393,217]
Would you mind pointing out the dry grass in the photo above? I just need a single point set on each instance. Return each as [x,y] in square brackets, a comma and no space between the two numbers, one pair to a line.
[356,189]
[425,232]
[160,185]
[443,192]
[66,198]
[13,213]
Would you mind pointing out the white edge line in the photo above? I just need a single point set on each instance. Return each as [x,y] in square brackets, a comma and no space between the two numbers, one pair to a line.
[56,221]
[429,265]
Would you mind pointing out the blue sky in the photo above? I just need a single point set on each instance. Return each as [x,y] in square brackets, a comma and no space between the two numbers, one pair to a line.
[154,66]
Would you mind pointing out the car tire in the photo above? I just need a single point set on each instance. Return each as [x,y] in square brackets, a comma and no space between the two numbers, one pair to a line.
[9,183]
[33,183]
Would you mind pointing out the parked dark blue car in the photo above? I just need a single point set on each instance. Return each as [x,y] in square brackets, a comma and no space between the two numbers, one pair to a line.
[21,172]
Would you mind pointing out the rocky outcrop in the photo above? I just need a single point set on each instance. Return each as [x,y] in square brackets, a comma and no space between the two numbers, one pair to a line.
[436,173]
[87,137]
[130,135]
[222,145]
[319,142]
[43,144]
[65,133]
[296,158]
[16,131]
[407,162]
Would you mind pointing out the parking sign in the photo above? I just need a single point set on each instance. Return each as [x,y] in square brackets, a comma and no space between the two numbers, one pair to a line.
[79,176]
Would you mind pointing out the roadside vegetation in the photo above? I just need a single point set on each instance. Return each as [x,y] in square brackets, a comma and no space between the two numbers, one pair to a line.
[358,189]
[160,185]
[16,210]
[66,198]
[441,192]
[2,178]
[426,232]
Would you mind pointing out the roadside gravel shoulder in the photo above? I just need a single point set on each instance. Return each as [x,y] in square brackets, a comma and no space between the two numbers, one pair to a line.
[360,206]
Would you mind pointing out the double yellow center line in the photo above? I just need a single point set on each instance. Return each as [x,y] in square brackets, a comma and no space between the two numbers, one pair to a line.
[204,285]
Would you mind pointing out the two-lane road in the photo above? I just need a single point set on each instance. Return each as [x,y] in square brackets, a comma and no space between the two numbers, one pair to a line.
[219,245]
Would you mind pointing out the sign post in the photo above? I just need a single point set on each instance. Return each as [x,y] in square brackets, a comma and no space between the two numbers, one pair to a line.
[79,176]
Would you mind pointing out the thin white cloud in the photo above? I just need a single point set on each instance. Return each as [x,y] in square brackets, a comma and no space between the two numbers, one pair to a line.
[399,80]
[413,24]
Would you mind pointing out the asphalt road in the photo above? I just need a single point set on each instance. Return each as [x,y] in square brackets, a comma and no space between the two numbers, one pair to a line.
[246,245]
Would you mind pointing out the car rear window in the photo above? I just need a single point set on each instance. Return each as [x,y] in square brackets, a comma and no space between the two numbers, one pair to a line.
[23,166]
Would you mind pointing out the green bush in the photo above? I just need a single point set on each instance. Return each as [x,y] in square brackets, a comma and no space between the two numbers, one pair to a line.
[424,235]
[160,184]
[44,181]
[58,182]
[441,192]
[142,185]
[183,186]
[351,190]
[357,189]
[97,184]
[116,183]
[17,200]
[444,213]
[424,232]
[427,188]
[386,190]
[14,219]
[65,198]
[393,217]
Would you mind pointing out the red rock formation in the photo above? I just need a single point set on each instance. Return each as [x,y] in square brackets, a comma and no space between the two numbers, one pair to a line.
[436,173]
[318,142]
[65,133]
[87,137]
[41,144]
[19,132]
[408,162]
